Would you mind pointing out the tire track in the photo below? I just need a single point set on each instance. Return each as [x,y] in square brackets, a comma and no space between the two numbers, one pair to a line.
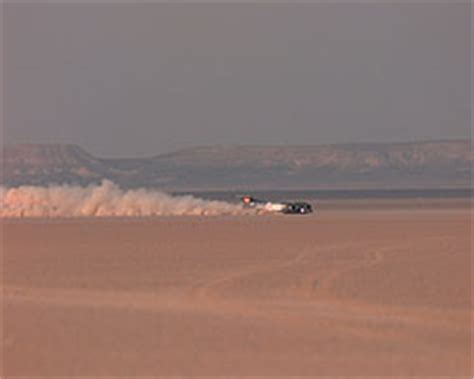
[308,255]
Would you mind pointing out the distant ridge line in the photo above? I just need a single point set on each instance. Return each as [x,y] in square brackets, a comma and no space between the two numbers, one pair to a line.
[236,146]
[411,164]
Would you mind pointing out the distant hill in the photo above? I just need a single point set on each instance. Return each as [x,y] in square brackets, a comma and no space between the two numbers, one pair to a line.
[394,165]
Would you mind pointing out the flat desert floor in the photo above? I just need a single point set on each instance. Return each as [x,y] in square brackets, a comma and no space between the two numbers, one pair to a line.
[359,292]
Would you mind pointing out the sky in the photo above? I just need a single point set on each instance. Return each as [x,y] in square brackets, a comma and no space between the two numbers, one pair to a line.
[130,80]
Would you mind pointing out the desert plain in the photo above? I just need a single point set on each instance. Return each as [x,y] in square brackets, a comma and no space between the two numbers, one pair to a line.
[343,292]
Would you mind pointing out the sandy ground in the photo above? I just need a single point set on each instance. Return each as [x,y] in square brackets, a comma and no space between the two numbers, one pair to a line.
[335,293]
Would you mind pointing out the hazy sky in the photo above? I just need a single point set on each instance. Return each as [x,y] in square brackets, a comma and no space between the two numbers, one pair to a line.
[134,80]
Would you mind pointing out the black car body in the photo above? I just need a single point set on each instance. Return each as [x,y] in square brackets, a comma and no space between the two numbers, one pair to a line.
[297,208]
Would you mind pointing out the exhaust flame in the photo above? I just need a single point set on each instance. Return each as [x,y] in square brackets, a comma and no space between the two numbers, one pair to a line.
[105,200]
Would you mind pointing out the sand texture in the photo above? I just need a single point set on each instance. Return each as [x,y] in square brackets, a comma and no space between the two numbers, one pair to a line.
[334,293]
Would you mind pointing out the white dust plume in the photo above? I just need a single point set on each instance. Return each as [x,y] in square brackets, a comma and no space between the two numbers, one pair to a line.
[105,200]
